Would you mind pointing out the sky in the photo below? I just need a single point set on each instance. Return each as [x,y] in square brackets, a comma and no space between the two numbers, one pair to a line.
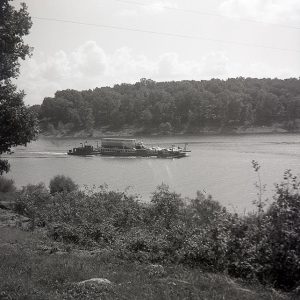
[94,43]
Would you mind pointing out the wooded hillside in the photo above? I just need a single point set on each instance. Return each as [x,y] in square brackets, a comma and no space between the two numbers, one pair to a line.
[177,106]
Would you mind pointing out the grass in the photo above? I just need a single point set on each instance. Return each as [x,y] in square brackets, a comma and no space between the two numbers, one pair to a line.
[28,272]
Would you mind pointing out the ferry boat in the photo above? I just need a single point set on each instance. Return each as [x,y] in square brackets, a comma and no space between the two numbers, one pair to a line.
[173,152]
[128,147]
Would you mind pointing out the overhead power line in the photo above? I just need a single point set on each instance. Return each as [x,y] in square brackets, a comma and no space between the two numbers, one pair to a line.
[177,35]
[211,14]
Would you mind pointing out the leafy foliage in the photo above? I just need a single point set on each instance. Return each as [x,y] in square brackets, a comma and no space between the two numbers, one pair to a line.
[284,232]
[61,183]
[27,272]
[263,245]
[187,106]
[33,202]
[17,122]
[6,185]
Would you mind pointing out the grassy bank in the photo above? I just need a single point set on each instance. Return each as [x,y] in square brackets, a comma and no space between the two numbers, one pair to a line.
[175,237]
[27,271]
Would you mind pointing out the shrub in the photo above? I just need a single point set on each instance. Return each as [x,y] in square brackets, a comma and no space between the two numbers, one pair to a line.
[142,245]
[203,210]
[207,245]
[33,201]
[266,245]
[64,232]
[284,233]
[61,183]
[167,207]
[6,185]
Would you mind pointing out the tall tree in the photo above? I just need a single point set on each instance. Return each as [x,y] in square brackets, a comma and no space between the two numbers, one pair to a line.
[17,123]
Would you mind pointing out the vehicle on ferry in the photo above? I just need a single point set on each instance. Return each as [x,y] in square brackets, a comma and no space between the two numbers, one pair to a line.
[125,147]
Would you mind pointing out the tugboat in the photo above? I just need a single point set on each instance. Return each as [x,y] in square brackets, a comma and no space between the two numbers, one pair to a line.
[173,152]
[84,150]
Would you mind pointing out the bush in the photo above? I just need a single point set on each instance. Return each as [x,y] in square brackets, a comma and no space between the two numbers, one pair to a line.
[266,245]
[284,233]
[167,207]
[6,185]
[33,201]
[143,245]
[61,183]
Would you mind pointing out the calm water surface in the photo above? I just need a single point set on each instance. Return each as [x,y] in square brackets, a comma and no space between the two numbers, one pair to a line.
[217,165]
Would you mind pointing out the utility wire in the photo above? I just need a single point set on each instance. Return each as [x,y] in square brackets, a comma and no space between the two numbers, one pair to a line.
[194,37]
[211,14]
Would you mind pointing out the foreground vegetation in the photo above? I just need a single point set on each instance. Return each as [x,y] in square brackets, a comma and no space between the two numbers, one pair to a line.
[27,271]
[174,107]
[186,236]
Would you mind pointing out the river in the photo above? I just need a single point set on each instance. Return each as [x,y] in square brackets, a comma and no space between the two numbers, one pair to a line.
[217,165]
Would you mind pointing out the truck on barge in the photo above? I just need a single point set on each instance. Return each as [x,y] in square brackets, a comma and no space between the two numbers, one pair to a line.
[130,147]
[125,147]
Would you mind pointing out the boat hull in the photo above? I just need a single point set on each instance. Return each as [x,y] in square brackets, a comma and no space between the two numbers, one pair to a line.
[172,155]
[127,152]
[127,148]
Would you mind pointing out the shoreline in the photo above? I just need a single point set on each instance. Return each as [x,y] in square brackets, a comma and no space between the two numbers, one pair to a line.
[98,133]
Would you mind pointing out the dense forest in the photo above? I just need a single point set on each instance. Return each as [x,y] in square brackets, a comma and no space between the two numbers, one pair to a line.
[176,106]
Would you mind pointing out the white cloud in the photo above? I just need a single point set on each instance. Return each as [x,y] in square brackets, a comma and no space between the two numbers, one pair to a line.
[123,64]
[127,12]
[159,6]
[89,66]
[276,11]
[169,65]
[148,8]
[215,64]
[53,68]
[89,59]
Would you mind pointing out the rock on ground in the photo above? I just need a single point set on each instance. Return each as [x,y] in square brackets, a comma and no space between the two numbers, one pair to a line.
[95,281]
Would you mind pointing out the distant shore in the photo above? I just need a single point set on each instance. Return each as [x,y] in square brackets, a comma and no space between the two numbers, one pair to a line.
[130,131]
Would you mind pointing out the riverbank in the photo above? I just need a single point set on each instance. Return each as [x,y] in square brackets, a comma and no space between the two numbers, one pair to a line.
[171,238]
[34,267]
[132,131]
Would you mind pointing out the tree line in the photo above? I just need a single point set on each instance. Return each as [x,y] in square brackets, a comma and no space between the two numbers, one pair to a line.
[176,106]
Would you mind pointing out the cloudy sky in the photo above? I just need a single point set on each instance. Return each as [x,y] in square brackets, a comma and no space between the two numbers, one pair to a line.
[83,45]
